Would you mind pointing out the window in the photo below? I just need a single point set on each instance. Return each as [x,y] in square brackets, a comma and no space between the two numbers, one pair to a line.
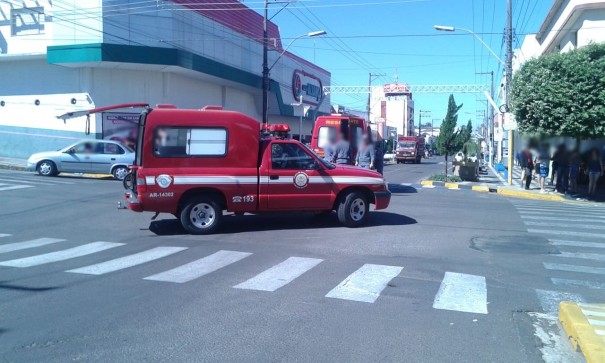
[85,147]
[288,156]
[27,21]
[111,149]
[183,141]
[326,136]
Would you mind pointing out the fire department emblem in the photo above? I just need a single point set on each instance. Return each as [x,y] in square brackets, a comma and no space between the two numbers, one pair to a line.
[163,181]
[301,180]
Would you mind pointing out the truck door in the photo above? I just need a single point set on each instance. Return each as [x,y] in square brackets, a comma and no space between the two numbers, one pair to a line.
[296,180]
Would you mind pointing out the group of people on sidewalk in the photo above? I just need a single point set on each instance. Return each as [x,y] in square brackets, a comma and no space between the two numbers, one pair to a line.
[370,154]
[566,168]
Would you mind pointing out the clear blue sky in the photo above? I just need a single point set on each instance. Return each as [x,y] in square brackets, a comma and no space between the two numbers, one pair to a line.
[390,36]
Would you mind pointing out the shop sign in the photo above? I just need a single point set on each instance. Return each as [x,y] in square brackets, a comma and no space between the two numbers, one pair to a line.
[396,89]
[308,86]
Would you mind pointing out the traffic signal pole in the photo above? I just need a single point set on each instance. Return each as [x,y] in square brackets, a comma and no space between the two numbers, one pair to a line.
[509,78]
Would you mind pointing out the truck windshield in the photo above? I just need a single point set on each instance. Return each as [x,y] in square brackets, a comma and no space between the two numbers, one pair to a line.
[407,145]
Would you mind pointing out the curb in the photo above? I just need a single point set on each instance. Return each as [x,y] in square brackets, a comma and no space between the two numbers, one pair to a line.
[455,186]
[529,195]
[585,327]
[13,167]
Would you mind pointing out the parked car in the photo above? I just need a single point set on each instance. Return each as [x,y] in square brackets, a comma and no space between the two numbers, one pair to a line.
[85,156]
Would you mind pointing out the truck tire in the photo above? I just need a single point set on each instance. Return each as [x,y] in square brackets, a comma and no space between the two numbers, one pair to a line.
[353,210]
[201,215]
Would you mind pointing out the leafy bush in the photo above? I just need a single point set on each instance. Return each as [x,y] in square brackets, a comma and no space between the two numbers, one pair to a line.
[444,178]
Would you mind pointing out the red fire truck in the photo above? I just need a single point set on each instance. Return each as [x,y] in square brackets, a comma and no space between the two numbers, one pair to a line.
[329,128]
[195,164]
[409,148]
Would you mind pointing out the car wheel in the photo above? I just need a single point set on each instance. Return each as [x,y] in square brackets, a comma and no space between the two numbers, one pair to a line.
[201,215]
[120,172]
[47,168]
[353,210]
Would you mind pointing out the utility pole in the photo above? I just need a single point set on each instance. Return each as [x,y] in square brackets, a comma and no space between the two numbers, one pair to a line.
[372,76]
[490,121]
[265,66]
[420,113]
[509,78]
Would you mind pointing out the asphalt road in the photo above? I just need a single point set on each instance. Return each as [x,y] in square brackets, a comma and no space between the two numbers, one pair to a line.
[440,276]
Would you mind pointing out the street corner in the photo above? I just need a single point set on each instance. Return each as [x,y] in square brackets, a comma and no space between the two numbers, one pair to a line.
[511,191]
[585,327]
[476,187]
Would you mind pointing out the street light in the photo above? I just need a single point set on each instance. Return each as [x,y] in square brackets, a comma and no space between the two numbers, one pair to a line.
[445,28]
[267,69]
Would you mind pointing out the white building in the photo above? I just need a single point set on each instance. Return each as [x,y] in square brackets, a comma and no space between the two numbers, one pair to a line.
[64,55]
[393,105]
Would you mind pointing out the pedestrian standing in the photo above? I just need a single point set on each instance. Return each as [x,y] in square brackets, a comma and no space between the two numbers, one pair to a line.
[595,171]
[542,164]
[329,149]
[342,151]
[574,171]
[366,153]
[379,150]
[527,167]
[562,159]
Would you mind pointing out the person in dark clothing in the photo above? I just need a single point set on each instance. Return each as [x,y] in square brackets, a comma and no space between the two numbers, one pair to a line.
[562,159]
[526,161]
[379,150]
[342,151]
[595,171]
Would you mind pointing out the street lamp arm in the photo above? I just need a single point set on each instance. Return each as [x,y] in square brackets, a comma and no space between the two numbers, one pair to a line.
[286,49]
[482,42]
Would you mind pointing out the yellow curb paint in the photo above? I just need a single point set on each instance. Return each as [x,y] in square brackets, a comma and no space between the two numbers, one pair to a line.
[426,182]
[98,176]
[577,322]
[451,185]
[530,195]
[480,188]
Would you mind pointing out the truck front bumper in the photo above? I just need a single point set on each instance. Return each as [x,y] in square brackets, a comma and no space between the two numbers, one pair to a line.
[382,199]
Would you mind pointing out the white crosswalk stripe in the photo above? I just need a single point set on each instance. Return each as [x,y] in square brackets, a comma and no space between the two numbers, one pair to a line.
[565,233]
[365,284]
[580,283]
[559,213]
[10,247]
[581,255]
[558,242]
[279,275]
[67,254]
[14,187]
[462,292]
[548,218]
[127,261]
[199,268]
[564,225]
[549,300]
[11,181]
[5,235]
[574,268]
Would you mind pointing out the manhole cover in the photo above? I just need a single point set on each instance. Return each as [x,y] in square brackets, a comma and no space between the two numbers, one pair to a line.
[527,244]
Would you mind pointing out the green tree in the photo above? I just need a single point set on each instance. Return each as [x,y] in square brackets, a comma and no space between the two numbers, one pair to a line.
[449,138]
[464,137]
[562,94]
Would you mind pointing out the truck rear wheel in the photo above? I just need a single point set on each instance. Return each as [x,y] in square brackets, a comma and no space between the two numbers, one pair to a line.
[353,210]
[201,215]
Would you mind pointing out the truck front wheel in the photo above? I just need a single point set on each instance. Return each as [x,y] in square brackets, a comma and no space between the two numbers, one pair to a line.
[353,210]
[201,215]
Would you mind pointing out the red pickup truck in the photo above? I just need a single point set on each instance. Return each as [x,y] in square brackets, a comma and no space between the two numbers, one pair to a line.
[195,164]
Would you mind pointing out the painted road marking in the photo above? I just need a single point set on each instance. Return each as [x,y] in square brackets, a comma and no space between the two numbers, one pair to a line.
[558,242]
[462,292]
[28,244]
[199,268]
[5,235]
[429,186]
[127,261]
[549,300]
[564,225]
[558,213]
[574,268]
[13,187]
[543,218]
[566,233]
[365,284]
[585,256]
[279,275]
[568,282]
[544,214]
[67,254]
[24,181]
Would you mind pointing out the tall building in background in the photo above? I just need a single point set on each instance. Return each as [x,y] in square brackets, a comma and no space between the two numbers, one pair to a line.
[392,104]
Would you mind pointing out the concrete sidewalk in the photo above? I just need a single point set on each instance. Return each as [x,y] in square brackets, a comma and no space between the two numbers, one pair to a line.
[13,163]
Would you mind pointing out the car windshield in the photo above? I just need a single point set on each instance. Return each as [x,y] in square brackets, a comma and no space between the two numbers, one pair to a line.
[407,144]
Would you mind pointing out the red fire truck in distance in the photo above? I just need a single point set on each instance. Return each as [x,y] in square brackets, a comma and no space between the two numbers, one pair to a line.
[409,148]
[195,164]
[329,128]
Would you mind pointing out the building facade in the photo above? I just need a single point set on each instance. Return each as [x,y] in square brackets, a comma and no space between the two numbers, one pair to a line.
[392,104]
[67,55]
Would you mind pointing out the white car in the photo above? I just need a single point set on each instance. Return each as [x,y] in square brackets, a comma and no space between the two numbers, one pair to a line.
[85,156]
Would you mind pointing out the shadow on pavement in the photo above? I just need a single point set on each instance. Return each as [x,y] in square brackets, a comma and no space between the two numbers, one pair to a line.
[275,222]
[402,189]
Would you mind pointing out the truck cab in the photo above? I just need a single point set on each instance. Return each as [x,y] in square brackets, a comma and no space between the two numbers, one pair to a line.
[197,164]
[410,148]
